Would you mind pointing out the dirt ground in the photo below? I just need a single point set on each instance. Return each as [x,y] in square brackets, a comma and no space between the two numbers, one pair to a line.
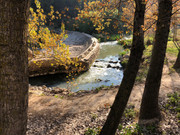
[72,114]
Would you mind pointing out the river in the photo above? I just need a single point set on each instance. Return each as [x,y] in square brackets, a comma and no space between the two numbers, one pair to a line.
[105,71]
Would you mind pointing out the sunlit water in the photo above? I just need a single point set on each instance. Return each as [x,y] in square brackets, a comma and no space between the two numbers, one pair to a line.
[106,70]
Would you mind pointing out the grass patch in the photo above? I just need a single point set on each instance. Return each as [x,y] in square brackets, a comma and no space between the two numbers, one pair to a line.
[125,43]
[102,87]
[171,49]
[143,70]
[92,131]
[136,129]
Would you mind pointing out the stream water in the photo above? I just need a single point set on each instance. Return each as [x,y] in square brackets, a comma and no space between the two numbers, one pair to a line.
[106,70]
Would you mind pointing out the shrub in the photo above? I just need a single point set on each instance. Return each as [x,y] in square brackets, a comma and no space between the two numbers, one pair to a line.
[126,43]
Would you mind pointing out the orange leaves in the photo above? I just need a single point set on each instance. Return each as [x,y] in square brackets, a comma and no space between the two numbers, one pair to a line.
[107,105]
[97,12]
[144,1]
[76,18]
[63,12]
[143,28]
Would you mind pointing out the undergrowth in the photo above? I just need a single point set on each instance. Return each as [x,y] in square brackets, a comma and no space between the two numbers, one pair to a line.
[173,104]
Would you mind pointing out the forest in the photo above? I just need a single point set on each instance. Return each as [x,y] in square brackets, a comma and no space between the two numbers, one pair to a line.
[91,67]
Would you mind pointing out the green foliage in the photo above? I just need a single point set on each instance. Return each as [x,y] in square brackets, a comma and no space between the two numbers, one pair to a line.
[113,37]
[142,74]
[106,37]
[126,43]
[146,129]
[173,102]
[92,131]
[170,38]
[94,116]
[171,70]
[124,52]
[84,25]
[102,87]
[42,94]
[99,88]
[130,113]
[128,130]
[61,97]
[172,49]
[136,129]
[148,52]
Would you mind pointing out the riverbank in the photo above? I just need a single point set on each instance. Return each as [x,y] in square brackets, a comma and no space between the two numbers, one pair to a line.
[67,113]
[106,70]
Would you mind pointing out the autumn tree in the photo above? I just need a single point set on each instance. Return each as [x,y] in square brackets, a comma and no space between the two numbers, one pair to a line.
[41,36]
[116,16]
[130,73]
[102,16]
[149,111]
[13,67]
[47,44]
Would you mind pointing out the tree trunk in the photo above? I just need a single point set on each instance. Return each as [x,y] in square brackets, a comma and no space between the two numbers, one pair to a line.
[177,63]
[13,67]
[149,106]
[130,73]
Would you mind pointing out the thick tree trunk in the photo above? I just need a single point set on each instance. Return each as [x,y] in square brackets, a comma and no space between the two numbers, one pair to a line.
[130,73]
[177,63]
[13,67]
[149,106]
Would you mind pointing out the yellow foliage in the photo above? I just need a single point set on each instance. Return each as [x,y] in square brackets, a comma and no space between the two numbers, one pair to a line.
[46,42]
[97,12]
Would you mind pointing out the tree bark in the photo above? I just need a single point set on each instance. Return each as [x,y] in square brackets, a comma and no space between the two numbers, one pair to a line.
[130,73]
[149,106]
[177,63]
[13,67]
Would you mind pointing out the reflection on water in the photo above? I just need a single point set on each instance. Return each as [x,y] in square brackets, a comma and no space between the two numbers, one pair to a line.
[106,70]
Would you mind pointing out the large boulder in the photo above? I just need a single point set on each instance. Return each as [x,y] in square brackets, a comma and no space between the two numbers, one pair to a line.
[81,45]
